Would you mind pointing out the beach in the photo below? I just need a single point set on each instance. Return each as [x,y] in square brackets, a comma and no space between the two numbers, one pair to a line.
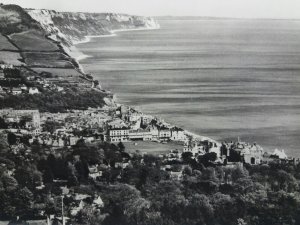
[227,80]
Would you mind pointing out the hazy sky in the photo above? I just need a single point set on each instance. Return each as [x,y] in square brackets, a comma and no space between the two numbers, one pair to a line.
[216,8]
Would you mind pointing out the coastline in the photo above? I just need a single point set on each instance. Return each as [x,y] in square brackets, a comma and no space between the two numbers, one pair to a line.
[88,38]
[113,33]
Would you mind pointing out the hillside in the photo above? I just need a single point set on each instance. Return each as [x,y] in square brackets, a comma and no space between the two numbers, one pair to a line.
[75,26]
[41,44]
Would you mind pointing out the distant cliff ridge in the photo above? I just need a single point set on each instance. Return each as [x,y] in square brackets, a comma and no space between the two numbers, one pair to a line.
[69,27]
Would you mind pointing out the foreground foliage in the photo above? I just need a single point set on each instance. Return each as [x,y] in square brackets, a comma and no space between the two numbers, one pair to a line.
[143,194]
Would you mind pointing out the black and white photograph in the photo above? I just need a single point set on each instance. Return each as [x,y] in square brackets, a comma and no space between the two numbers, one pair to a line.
[150,112]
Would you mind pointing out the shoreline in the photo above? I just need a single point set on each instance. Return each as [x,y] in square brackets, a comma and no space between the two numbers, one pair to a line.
[88,38]
[113,33]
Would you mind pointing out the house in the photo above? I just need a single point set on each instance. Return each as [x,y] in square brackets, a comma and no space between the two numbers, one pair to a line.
[174,154]
[94,172]
[119,134]
[59,89]
[33,90]
[215,148]
[36,131]
[253,155]
[136,125]
[164,133]
[23,87]
[280,154]
[147,119]
[176,175]
[177,134]
[16,91]
[73,140]
[194,148]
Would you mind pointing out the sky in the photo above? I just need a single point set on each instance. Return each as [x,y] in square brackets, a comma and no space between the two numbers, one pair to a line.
[275,9]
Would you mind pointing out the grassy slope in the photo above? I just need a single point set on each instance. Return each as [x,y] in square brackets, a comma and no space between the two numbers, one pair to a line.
[6,45]
[30,41]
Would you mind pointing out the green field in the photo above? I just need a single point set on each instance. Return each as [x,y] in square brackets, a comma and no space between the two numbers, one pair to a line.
[47,59]
[59,72]
[48,63]
[33,41]
[152,147]
[6,45]
[10,58]
[45,55]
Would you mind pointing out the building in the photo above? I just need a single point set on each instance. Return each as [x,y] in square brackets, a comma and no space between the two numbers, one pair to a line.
[59,89]
[194,148]
[279,154]
[164,133]
[177,134]
[134,116]
[253,154]
[23,87]
[33,90]
[119,134]
[32,116]
[146,119]
[154,131]
[16,91]
[140,134]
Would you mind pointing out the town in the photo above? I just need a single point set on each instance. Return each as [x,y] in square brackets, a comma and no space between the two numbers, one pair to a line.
[101,146]
[123,124]
[81,132]
[20,80]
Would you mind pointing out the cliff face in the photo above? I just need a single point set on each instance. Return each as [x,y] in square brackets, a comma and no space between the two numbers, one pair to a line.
[42,42]
[13,19]
[71,27]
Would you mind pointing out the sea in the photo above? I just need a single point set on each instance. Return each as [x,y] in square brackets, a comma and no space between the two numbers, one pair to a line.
[227,79]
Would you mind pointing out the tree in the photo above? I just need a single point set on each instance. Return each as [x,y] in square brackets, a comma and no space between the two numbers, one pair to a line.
[187,157]
[224,205]
[9,183]
[89,216]
[187,171]
[121,146]
[239,172]
[207,159]
[136,210]
[4,146]
[24,201]
[71,175]
[11,138]
[48,175]
[28,176]
[110,156]
[200,209]
[3,124]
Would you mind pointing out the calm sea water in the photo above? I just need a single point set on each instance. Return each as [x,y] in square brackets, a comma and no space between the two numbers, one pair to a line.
[219,78]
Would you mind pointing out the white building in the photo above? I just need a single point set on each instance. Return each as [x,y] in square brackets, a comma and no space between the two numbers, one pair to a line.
[195,149]
[33,90]
[164,133]
[119,134]
[140,134]
[154,131]
[134,116]
[23,87]
[177,134]
[253,154]
[16,91]
[280,154]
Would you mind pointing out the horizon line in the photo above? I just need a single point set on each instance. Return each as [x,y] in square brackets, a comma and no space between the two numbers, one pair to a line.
[166,16]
